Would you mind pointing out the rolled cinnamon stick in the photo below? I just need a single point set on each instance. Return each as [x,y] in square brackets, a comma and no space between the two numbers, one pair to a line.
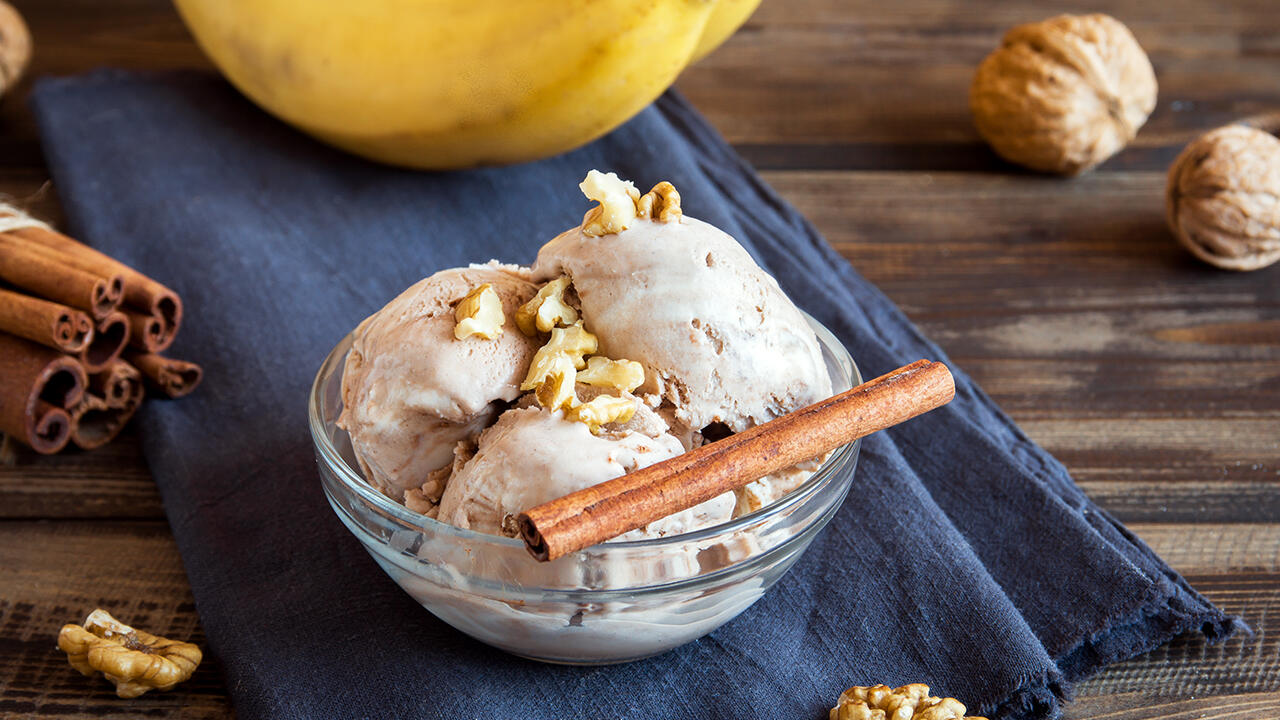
[42,272]
[48,323]
[95,422]
[140,291]
[174,378]
[109,340]
[149,332]
[37,385]
[119,384]
[601,512]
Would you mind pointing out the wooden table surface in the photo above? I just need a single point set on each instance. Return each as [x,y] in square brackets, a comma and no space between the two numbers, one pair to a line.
[1154,378]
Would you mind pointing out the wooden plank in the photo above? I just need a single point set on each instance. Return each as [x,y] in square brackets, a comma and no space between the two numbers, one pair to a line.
[110,482]
[862,73]
[1146,706]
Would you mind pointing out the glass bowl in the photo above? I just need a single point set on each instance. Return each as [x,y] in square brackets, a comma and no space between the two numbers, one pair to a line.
[614,602]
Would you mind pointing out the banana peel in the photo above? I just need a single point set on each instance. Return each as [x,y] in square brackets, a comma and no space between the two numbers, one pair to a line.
[443,84]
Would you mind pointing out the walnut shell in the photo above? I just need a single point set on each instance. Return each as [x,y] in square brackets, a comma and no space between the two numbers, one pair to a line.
[1064,94]
[15,46]
[1223,197]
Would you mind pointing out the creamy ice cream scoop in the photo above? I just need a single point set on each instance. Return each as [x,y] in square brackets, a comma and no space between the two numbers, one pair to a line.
[531,456]
[411,390]
[719,340]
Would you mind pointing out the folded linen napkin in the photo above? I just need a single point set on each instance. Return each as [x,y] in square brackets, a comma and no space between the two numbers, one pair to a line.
[965,556]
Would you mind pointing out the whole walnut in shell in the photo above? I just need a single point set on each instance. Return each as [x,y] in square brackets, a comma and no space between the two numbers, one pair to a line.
[1223,197]
[1064,94]
[15,47]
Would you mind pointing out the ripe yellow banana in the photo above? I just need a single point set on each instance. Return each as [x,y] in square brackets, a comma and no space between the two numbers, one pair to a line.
[457,83]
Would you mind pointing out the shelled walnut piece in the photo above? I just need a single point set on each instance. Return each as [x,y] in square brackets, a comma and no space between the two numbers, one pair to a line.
[909,702]
[1223,196]
[1064,94]
[562,362]
[134,660]
[479,314]
[620,203]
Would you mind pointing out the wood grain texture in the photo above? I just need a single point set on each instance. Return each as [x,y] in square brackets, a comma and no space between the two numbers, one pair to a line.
[1153,378]
[891,80]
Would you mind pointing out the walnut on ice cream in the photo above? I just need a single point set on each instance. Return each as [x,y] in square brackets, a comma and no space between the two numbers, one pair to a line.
[479,313]
[547,309]
[662,203]
[617,206]
[621,204]
[573,341]
[624,375]
[556,391]
[602,410]
[134,660]
[909,702]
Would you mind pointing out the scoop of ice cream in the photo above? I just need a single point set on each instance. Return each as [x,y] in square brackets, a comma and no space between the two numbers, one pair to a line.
[531,456]
[771,488]
[718,338]
[411,390]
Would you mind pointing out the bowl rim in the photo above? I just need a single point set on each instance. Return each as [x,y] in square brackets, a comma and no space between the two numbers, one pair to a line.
[352,480]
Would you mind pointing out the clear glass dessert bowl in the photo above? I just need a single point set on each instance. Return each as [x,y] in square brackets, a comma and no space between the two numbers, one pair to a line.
[614,602]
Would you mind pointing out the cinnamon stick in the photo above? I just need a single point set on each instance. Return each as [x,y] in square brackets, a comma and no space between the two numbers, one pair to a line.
[174,378]
[42,272]
[598,513]
[37,385]
[95,422]
[118,385]
[48,323]
[148,332]
[140,291]
[109,340]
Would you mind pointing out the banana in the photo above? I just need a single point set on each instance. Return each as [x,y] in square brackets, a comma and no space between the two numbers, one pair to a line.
[445,84]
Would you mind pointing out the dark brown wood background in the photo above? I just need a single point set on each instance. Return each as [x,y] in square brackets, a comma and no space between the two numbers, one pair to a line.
[1156,379]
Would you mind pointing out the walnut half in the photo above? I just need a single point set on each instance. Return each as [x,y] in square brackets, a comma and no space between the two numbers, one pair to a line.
[909,702]
[134,660]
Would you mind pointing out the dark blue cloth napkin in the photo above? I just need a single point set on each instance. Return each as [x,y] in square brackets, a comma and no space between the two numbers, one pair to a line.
[965,556]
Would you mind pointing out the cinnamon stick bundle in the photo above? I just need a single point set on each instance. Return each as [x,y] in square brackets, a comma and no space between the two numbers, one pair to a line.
[109,340]
[81,302]
[42,272]
[140,291]
[48,323]
[37,386]
[174,378]
[601,512]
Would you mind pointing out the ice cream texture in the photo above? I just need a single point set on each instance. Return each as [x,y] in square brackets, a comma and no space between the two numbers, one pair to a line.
[634,337]
[718,339]
[531,456]
[412,391]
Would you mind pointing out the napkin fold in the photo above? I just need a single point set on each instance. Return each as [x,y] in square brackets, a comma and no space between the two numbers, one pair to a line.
[965,557]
